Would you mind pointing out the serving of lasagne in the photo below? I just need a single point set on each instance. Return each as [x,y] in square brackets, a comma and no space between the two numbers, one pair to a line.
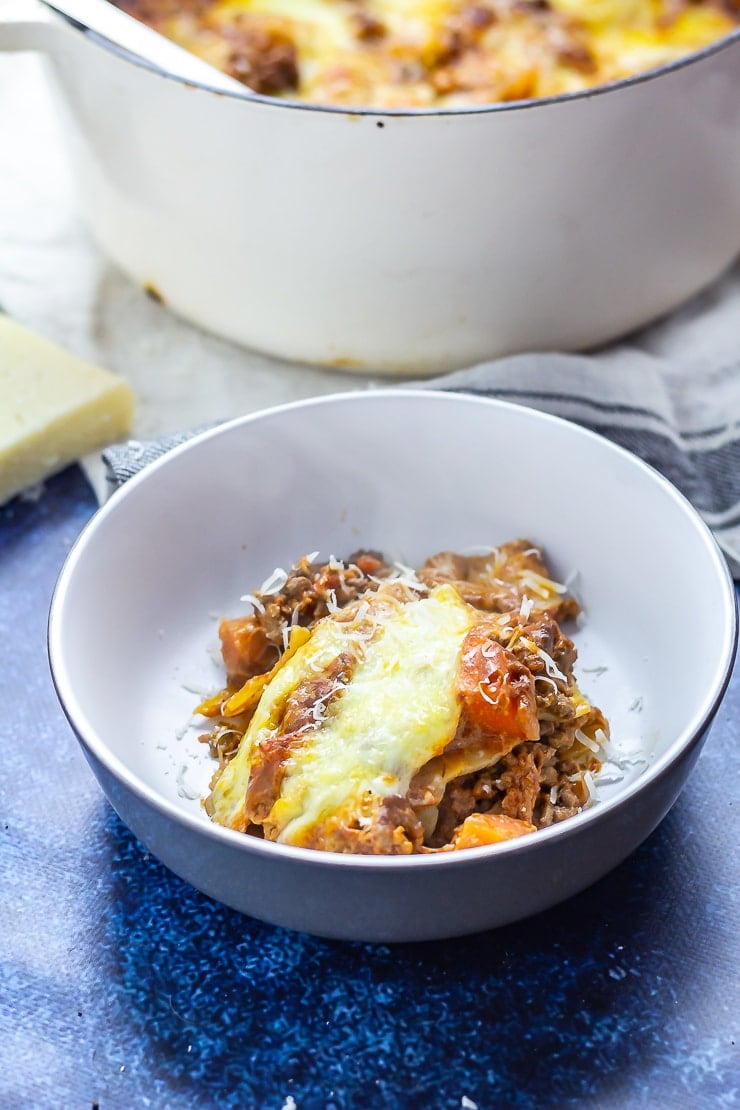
[429,53]
[370,708]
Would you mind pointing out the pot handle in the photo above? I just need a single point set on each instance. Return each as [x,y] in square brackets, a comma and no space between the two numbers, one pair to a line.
[27,25]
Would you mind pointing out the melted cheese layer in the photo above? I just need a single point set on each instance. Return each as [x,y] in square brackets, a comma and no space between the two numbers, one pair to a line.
[228,796]
[399,710]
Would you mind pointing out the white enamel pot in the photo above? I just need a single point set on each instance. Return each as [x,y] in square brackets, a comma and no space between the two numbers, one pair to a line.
[409,242]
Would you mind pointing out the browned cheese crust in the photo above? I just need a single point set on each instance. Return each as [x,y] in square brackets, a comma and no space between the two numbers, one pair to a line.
[433,53]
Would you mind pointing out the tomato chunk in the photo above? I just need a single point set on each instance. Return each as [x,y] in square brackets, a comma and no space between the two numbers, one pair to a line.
[496,689]
[245,648]
[489,828]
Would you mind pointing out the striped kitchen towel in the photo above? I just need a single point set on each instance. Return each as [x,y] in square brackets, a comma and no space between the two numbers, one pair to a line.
[688,428]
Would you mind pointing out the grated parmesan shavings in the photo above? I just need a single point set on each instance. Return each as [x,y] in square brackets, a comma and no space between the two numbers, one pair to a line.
[593,796]
[254,601]
[275,582]
[548,680]
[184,789]
[543,587]
[586,740]
[331,601]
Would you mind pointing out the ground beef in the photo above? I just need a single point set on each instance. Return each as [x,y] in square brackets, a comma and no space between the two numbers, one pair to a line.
[250,645]
[262,58]
[548,636]
[492,584]
[519,786]
[366,26]
[157,12]
[393,830]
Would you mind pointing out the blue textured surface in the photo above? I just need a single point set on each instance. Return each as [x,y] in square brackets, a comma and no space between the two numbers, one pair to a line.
[123,986]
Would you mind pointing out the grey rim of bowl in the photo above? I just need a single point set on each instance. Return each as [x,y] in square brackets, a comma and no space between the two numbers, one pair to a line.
[682,744]
[404,113]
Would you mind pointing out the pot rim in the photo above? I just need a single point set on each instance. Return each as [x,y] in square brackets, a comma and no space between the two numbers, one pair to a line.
[716,47]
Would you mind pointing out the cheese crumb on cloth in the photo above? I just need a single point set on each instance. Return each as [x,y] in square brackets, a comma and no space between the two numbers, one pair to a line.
[670,394]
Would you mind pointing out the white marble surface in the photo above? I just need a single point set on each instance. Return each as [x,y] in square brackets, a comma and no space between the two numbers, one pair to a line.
[54,280]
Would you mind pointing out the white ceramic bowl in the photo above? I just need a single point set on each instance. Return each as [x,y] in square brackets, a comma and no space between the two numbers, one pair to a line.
[132,631]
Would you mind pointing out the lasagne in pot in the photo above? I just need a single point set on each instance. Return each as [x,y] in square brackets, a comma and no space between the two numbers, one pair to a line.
[373,709]
[434,53]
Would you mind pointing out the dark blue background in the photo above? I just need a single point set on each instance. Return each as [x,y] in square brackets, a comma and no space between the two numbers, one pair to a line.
[123,986]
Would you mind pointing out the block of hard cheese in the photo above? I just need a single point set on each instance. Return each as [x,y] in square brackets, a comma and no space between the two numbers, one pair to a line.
[54,408]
